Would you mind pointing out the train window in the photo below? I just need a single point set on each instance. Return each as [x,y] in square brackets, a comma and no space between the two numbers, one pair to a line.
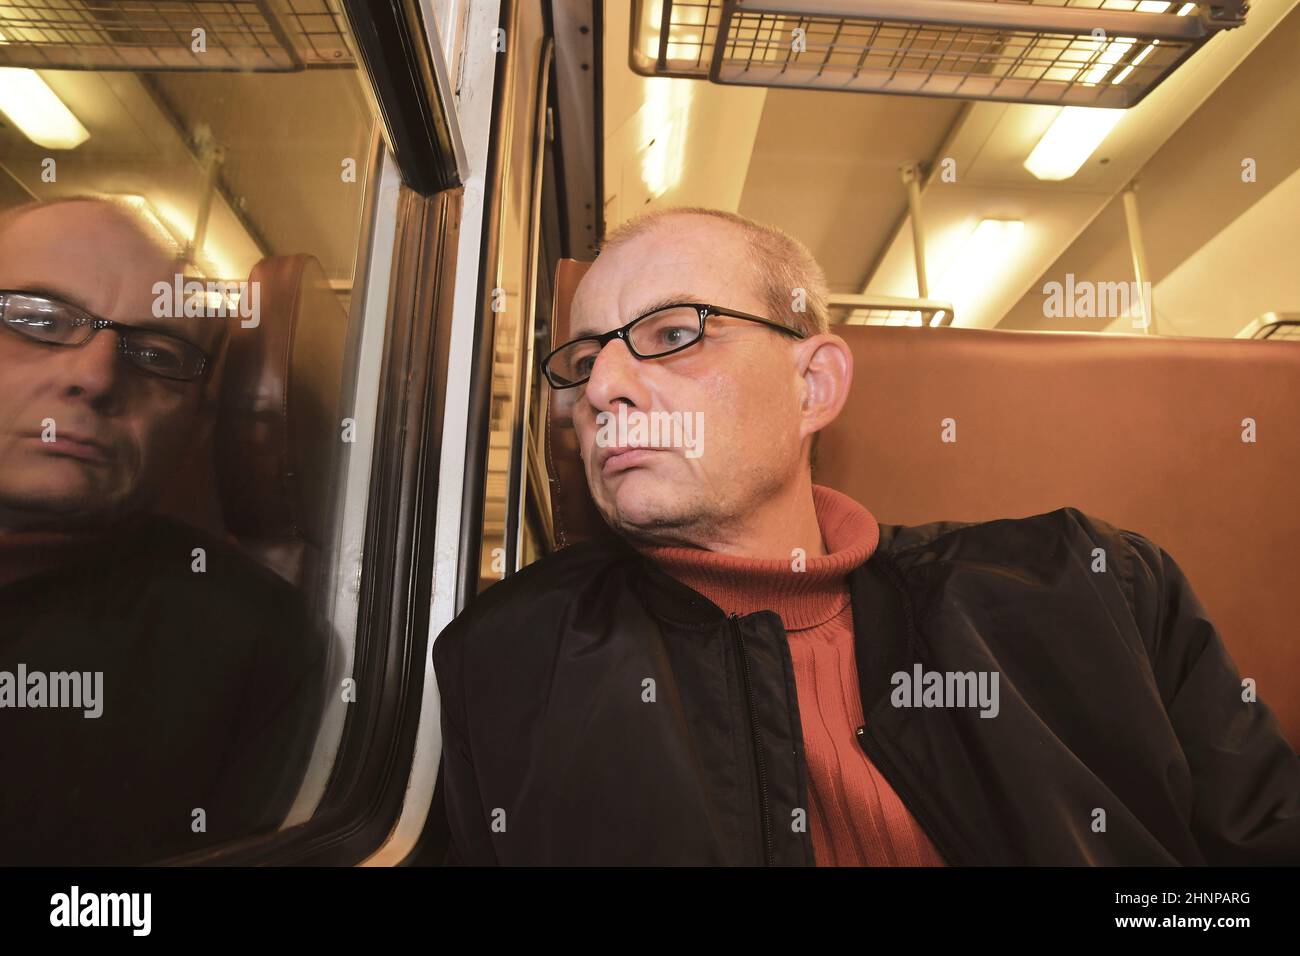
[185,428]
[506,308]
[514,530]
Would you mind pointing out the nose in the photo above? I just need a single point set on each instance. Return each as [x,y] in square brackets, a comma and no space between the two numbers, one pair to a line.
[615,377]
[93,371]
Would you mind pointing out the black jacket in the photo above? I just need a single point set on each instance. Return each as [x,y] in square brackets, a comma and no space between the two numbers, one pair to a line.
[213,686]
[595,711]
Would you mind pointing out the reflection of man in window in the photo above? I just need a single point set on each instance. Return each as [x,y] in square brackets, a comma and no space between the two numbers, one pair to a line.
[158,692]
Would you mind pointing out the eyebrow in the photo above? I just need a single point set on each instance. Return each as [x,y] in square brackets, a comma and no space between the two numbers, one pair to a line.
[672,298]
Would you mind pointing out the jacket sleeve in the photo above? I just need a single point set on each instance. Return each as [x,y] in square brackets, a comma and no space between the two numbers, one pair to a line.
[1245,775]
[467,820]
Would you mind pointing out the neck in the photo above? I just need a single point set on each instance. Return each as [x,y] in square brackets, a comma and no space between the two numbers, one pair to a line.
[806,589]
[771,530]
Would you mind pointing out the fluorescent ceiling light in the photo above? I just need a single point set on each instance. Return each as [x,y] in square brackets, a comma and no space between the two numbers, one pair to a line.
[34,108]
[1073,136]
[145,209]
[176,230]
[688,21]
[1146,51]
[1112,54]
[663,123]
[980,262]
[1103,54]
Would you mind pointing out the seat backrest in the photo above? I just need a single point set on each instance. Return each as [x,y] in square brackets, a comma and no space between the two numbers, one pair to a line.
[1145,432]
[279,424]
[574,515]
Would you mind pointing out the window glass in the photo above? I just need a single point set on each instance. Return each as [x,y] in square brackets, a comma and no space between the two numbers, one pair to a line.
[182,207]
[509,302]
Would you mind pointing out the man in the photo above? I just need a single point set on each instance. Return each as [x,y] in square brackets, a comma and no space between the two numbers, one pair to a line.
[159,693]
[752,671]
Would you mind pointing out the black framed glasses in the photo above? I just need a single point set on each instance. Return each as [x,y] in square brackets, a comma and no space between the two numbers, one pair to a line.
[52,322]
[662,332]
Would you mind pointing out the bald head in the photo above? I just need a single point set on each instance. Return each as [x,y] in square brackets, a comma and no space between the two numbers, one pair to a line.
[779,268]
[98,255]
[85,435]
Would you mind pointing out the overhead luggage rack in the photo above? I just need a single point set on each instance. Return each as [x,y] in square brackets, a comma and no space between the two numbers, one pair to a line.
[253,35]
[1277,327]
[889,310]
[1100,53]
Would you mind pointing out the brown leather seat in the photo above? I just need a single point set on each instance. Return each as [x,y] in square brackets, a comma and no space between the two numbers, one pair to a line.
[260,473]
[279,424]
[1143,432]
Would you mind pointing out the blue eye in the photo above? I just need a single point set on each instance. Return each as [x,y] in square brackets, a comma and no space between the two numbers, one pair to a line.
[675,335]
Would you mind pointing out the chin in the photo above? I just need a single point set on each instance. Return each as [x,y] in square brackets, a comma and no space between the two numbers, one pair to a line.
[51,504]
[60,496]
[643,500]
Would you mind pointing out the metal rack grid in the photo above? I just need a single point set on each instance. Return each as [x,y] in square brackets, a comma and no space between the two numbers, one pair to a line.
[253,35]
[1024,51]
[318,31]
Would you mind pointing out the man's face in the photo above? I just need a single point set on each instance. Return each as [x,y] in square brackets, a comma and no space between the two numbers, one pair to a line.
[742,380]
[119,430]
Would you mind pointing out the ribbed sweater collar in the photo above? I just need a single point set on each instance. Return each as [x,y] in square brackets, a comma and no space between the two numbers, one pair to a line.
[803,598]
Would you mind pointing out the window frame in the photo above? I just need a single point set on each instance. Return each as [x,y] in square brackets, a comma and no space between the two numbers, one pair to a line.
[413,237]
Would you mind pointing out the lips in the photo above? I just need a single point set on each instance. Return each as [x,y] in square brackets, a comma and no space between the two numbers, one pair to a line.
[80,447]
[616,458]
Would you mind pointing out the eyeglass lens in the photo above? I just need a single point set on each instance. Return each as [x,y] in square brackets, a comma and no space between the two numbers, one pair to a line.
[658,333]
[56,323]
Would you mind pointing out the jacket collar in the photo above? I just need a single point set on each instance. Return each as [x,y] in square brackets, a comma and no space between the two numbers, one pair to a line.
[667,598]
[883,631]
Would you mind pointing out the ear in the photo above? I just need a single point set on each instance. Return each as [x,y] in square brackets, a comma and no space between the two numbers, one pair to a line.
[825,366]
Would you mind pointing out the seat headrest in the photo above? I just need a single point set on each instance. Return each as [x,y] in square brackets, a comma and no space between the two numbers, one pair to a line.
[279,427]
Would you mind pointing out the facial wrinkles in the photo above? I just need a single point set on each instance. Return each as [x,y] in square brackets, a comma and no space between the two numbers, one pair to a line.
[704,509]
[734,476]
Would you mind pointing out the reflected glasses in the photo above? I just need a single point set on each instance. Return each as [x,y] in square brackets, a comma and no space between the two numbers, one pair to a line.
[656,334]
[52,322]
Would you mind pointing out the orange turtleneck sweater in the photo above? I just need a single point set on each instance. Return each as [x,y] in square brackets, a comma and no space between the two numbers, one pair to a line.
[856,817]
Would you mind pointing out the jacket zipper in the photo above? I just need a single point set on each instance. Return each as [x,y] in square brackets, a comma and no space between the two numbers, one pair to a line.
[769,854]
[875,755]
